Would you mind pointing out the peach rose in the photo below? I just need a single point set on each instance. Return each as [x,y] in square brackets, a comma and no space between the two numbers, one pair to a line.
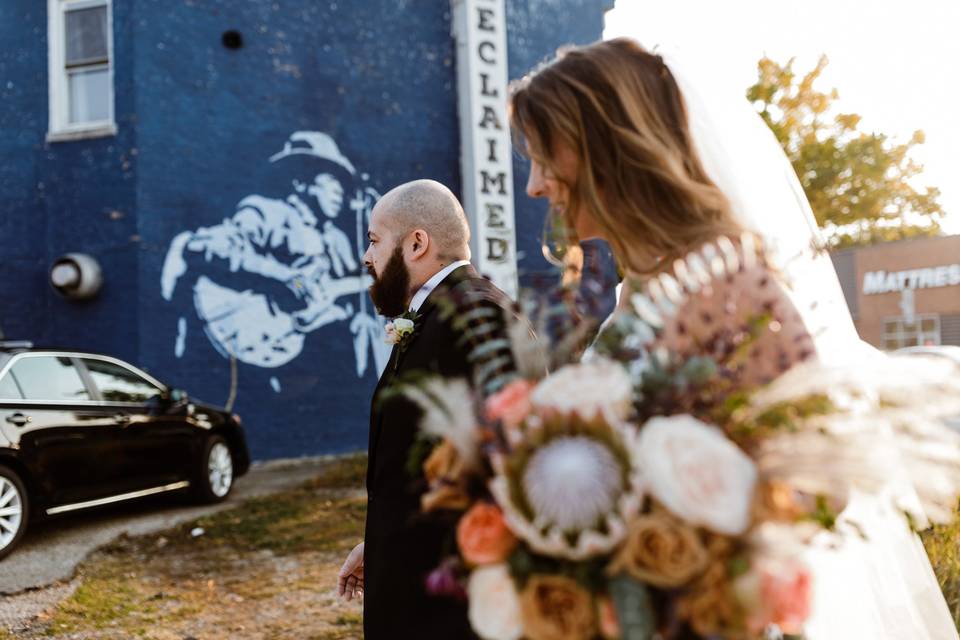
[660,550]
[709,605]
[483,535]
[444,470]
[557,608]
[511,404]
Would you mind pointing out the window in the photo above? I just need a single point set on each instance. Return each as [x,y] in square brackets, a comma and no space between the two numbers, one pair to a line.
[9,389]
[923,330]
[50,378]
[119,384]
[80,42]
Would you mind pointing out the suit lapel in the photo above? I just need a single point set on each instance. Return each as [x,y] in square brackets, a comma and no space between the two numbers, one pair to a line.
[395,365]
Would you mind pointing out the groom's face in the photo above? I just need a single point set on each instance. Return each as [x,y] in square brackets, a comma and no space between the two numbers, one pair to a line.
[385,264]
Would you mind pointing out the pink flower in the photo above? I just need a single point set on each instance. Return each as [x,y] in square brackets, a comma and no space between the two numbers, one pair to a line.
[512,404]
[392,336]
[607,616]
[777,592]
[787,597]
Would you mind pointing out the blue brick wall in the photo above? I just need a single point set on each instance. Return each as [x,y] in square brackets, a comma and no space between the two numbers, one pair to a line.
[204,256]
[63,197]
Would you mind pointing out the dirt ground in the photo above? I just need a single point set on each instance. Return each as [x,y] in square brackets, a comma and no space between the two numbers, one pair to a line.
[266,569]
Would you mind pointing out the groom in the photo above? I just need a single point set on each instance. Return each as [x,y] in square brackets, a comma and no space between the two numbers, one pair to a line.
[419,258]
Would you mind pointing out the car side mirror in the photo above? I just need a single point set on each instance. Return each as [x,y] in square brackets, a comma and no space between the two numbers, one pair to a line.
[157,403]
[178,396]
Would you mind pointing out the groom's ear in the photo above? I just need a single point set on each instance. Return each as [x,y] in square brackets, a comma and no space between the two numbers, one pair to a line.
[417,244]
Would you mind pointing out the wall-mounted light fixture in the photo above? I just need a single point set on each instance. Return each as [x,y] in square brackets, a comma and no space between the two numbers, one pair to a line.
[76,276]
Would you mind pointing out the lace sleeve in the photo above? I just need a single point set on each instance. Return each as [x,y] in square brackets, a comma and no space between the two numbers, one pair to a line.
[724,301]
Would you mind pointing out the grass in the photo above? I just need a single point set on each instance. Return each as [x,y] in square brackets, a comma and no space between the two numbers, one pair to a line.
[943,547]
[265,569]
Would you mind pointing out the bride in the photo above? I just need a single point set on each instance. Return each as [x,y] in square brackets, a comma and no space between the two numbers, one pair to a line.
[657,161]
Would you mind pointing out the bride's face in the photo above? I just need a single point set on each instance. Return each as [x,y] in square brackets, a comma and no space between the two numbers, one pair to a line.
[543,183]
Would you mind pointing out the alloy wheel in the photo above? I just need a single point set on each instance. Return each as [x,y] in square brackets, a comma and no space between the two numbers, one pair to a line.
[220,469]
[11,512]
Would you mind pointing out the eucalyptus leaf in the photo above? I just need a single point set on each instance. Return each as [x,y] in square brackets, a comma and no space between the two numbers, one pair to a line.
[634,608]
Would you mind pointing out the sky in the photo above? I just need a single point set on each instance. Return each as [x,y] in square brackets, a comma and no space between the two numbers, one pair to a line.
[896,63]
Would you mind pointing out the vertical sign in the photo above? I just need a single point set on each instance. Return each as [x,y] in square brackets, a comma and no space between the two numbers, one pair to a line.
[479,30]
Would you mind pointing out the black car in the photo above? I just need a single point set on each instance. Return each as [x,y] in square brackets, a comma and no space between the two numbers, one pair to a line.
[81,430]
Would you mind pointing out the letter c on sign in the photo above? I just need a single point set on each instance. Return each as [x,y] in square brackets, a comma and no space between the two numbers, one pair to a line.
[486,45]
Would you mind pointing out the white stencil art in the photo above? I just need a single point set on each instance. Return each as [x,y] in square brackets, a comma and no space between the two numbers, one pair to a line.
[281,268]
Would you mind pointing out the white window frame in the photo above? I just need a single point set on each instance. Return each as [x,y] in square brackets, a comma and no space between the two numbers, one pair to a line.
[901,335]
[60,129]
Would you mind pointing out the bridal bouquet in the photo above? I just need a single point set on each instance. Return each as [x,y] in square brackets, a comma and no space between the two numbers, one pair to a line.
[671,480]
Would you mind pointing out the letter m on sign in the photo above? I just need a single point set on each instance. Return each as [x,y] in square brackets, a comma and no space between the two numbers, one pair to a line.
[873,282]
[499,180]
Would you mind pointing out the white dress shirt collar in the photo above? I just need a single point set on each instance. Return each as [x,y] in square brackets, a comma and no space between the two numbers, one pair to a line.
[421,295]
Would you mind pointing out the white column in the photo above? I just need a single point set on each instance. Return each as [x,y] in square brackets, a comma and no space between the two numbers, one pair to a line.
[479,31]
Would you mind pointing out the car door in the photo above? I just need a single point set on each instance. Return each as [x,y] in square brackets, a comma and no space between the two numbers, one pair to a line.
[67,442]
[158,447]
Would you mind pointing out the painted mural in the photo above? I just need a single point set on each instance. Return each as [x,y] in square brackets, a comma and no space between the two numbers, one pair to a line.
[284,265]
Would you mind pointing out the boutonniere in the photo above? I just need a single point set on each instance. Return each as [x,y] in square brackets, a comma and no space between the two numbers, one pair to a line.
[400,331]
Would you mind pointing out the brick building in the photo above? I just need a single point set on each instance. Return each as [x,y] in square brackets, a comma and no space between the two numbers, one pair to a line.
[904,293]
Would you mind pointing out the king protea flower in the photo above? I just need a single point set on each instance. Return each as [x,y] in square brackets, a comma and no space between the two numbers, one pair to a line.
[568,489]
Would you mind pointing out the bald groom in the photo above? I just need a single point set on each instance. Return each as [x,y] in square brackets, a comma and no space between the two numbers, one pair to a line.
[419,254]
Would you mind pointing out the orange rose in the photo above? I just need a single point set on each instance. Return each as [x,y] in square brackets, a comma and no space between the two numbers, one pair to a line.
[483,535]
[512,404]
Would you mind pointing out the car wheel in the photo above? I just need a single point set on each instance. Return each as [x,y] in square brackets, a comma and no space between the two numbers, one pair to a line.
[215,473]
[14,510]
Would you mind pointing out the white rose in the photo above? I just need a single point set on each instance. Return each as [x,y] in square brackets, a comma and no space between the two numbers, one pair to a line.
[494,605]
[600,385]
[697,473]
[403,326]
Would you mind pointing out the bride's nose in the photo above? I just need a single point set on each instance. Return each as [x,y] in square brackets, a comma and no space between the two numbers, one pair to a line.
[536,185]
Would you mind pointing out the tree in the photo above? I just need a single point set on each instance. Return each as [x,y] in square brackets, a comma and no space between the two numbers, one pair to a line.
[858,184]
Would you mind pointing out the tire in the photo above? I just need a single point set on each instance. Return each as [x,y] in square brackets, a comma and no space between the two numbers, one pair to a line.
[214,476]
[14,510]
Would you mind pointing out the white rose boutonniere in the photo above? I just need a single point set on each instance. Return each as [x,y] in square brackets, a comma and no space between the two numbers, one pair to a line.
[401,330]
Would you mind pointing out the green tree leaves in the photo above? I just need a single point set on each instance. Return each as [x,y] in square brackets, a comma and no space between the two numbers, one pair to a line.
[858,183]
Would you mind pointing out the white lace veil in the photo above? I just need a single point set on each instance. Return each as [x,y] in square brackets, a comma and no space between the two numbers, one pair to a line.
[882,588]
[743,157]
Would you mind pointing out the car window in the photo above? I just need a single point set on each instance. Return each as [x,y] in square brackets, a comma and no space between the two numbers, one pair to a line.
[9,389]
[119,384]
[49,378]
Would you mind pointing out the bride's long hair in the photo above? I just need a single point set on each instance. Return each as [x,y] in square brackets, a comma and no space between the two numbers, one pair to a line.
[618,107]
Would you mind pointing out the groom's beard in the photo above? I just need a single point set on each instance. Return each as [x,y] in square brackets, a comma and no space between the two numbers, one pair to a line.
[390,288]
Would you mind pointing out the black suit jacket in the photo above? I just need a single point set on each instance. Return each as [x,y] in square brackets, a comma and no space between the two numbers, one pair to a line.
[402,545]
